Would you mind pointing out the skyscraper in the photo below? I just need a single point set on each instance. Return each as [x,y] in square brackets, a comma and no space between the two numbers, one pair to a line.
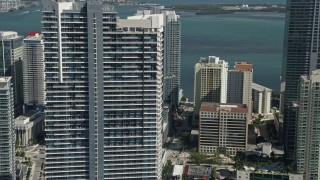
[103,93]
[301,54]
[240,84]
[210,81]
[172,59]
[172,50]
[308,126]
[172,56]
[11,65]
[7,131]
[33,70]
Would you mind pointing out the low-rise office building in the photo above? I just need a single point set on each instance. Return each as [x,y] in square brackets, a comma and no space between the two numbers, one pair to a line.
[223,128]
[29,126]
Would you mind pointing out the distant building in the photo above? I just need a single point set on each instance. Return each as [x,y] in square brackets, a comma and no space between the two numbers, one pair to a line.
[7,134]
[265,175]
[308,126]
[261,97]
[33,71]
[240,84]
[11,65]
[210,81]
[223,128]
[7,5]
[29,126]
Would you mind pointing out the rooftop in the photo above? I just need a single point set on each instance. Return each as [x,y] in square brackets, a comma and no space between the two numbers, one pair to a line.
[211,60]
[4,79]
[226,107]
[259,87]
[34,36]
[177,170]
[8,35]
[244,66]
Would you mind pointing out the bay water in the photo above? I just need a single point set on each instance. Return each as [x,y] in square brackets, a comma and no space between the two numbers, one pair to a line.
[252,36]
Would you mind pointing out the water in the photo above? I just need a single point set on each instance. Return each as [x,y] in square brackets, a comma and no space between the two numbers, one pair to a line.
[252,37]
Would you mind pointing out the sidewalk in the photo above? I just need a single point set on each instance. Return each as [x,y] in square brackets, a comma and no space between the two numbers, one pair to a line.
[32,170]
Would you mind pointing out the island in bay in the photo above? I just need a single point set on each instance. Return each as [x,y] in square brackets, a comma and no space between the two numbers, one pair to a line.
[207,9]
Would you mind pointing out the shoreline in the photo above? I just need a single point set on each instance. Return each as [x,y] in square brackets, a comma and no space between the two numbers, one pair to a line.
[210,9]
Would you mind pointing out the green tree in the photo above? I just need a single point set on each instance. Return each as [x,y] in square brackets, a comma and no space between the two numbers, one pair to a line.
[167,170]
[239,163]
[257,121]
[213,174]
[197,158]
[23,154]
[183,99]
[18,154]
[185,138]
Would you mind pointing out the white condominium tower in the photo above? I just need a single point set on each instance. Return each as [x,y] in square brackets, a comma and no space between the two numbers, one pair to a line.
[33,70]
[308,127]
[261,99]
[210,81]
[172,50]
[7,131]
[103,93]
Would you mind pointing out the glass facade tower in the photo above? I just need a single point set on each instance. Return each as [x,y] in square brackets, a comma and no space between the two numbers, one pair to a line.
[301,57]
[103,80]
[11,65]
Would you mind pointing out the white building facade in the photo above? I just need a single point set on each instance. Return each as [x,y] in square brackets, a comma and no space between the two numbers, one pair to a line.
[261,97]
[7,133]
[308,126]
[29,126]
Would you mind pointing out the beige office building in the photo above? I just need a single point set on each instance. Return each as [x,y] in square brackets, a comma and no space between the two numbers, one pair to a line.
[210,81]
[29,126]
[223,128]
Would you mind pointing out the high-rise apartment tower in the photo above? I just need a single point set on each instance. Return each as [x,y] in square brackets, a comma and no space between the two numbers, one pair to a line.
[308,127]
[103,79]
[240,84]
[7,131]
[33,70]
[210,81]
